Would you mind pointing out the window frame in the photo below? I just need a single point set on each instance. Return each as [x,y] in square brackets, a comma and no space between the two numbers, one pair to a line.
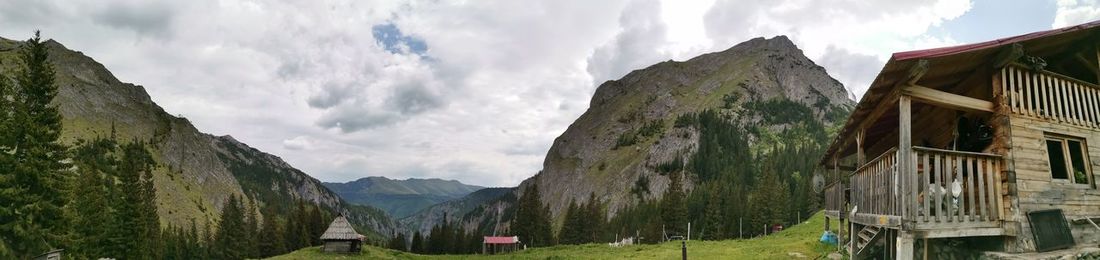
[1068,159]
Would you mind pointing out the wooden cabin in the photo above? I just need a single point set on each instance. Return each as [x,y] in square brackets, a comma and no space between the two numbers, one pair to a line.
[496,245]
[992,146]
[340,237]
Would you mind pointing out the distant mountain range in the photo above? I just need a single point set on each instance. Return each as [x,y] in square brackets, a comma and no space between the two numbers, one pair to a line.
[401,198]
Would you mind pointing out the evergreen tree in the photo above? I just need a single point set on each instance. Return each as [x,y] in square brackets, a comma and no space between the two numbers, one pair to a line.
[673,210]
[229,240]
[532,220]
[89,211]
[271,237]
[316,224]
[417,244]
[713,227]
[571,230]
[398,242]
[594,219]
[31,198]
[252,230]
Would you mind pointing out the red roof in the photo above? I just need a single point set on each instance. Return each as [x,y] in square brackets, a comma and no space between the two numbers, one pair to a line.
[501,240]
[928,53]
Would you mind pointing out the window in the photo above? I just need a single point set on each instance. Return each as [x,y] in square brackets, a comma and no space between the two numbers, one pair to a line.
[1067,159]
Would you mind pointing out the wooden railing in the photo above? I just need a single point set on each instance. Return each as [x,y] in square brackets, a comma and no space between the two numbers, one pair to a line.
[874,186]
[834,200]
[947,189]
[954,187]
[1051,96]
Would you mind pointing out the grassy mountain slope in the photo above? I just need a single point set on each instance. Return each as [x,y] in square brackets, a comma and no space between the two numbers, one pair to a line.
[801,239]
[195,172]
[400,198]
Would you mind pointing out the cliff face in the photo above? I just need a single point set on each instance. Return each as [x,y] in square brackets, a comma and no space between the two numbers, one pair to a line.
[195,171]
[628,129]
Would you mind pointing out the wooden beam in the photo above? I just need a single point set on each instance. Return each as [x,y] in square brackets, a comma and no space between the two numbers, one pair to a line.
[886,221]
[940,98]
[961,232]
[1008,54]
[861,157]
[1086,62]
[916,71]
[905,150]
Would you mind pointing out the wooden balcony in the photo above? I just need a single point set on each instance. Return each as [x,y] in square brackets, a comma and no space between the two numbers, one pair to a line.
[1051,96]
[948,194]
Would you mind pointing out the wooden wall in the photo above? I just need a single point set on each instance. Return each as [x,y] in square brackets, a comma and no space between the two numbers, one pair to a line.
[1035,189]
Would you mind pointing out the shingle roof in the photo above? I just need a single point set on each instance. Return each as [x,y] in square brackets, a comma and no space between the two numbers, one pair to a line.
[340,229]
[501,240]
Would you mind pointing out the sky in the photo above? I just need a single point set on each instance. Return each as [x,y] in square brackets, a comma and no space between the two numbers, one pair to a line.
[469,90]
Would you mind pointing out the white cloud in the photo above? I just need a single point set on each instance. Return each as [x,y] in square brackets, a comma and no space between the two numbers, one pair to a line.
[298,143]
[864,28]
[1073,12]
[495,83]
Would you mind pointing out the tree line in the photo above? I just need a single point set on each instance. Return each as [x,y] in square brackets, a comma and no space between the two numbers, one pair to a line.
[97,198]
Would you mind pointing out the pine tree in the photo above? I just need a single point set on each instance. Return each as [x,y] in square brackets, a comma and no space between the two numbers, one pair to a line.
[316,225]
[532,220]
[673,210]
[271,242]
[417,244]
[229,240]
[571,230]
[397,242]
[89,208]
[8,188]
[594,219]
[33,182]
[252,231]
[712,226]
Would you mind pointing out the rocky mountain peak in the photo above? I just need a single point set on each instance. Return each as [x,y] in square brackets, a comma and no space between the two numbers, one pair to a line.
[590,156]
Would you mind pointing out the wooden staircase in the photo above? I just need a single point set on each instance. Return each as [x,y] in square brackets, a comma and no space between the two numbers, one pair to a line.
[864,239]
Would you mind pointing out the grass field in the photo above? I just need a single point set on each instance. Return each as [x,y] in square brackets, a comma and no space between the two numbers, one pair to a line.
[800,239]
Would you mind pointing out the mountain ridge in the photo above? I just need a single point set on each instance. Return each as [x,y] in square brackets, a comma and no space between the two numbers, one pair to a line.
[401,198]
[195,172]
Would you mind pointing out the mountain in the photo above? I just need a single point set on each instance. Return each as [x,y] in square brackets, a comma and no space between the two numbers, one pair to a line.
[637,129]
[195,172]
[400,198]
[480,201]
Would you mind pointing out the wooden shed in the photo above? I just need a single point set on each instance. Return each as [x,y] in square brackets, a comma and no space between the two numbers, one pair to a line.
[969,144]
[340,237]
[495,245]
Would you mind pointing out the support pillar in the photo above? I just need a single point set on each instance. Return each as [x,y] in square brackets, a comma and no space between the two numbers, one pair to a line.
[905,161]
[904,247]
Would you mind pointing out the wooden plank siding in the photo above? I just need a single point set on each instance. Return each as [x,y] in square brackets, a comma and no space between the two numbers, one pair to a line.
[1040,104]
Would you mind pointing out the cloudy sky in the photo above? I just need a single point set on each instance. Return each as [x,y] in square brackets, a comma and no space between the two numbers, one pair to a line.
[467,90]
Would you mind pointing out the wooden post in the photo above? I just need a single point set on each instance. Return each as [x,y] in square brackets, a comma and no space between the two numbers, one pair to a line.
[905,150]
[904,245]
[861,157]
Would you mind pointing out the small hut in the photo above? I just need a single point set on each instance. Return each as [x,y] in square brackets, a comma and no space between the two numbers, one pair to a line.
[340,237]
[494,245]
[51,255]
